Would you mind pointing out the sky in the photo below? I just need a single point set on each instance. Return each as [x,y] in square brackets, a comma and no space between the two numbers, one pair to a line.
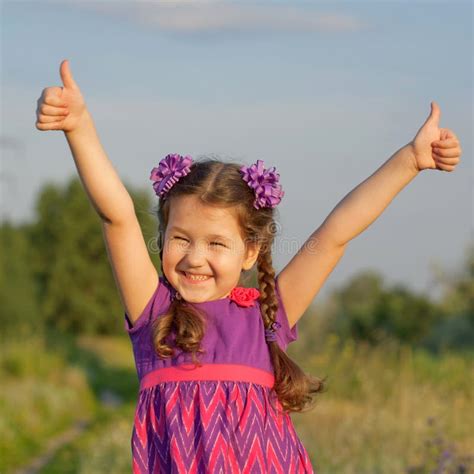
[324,91]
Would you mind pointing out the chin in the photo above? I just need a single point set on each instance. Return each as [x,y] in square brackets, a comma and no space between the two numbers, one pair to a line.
[194,300]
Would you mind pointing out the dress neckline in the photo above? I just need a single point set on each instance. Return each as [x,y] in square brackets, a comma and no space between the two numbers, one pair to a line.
[240,295]
[210,301]
[227,298]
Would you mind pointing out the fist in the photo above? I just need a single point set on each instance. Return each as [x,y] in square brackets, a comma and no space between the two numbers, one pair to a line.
[434,147]
[61,108]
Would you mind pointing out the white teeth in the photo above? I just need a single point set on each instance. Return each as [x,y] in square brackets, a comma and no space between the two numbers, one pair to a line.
[197,277]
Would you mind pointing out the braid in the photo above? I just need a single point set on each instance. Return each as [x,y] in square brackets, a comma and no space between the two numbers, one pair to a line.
[266,283]
[292,386]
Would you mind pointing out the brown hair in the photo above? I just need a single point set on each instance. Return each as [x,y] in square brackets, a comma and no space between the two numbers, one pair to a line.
[220,184]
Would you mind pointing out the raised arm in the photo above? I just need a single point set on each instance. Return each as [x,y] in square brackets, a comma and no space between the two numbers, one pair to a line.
[302,278]
[64,108]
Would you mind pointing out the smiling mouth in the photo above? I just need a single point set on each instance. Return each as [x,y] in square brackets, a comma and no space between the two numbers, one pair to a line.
[195,278]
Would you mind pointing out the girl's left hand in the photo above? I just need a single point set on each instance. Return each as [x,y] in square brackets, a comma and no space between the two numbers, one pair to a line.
[434,147]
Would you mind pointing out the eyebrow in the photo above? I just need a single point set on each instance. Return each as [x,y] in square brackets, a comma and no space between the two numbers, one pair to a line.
[211,236]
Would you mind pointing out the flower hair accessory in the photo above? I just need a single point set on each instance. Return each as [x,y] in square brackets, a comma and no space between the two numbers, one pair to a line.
[270,333]
[264,182]
[169,171]
[244,296]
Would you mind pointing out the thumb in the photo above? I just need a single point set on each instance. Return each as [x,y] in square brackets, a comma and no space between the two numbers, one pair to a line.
[66,75]
[433,118]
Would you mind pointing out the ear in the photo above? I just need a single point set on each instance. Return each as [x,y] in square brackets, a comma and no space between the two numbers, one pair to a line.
[253,249]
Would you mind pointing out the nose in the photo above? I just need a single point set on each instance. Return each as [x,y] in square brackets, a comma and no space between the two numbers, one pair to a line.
[195,255]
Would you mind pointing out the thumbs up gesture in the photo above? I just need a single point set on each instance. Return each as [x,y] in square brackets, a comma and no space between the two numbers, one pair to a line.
[61,108]
[434,147]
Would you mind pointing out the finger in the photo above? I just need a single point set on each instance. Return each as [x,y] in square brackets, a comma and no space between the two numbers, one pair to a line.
[54,100]
[448,143]
[50,110]
[49,118]
[444,167]
[66,75]
[447,152]
[49,126]
[446,161]
[447,133]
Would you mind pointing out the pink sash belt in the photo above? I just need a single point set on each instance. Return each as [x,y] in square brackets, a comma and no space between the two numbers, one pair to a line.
[232,372]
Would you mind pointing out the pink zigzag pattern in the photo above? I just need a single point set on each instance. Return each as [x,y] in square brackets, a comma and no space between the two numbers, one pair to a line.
[216,426]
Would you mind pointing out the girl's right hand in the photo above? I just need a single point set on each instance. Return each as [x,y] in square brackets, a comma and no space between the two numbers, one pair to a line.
[61,108]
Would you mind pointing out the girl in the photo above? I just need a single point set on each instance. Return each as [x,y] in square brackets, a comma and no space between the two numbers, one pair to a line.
[216,386]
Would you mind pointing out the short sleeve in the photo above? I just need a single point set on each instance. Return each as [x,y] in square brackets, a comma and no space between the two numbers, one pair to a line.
[285,335]
[158,303]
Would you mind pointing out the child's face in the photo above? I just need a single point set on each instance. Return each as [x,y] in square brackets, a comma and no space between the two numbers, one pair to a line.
[204,240]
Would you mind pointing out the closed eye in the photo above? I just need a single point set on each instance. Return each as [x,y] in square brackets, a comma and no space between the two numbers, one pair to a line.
[212,243]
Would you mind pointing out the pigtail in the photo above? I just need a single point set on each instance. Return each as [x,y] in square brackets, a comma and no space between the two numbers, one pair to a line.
[293,387]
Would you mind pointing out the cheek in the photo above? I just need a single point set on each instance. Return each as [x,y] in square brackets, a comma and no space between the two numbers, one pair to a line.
[171,255]
[227,262]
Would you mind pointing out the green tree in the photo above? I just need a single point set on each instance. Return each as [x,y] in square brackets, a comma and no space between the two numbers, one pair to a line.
[19,311]
[355,307]
[406,316]
[75,282]
[455,331]
[363,309]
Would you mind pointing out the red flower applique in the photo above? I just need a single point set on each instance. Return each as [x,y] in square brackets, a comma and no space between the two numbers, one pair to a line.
[244,296]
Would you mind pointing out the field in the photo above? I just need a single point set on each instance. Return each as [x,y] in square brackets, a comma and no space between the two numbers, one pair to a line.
[386,409]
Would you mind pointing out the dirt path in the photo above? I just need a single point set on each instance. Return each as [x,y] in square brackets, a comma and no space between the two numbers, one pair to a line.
[108,398]
[54,444]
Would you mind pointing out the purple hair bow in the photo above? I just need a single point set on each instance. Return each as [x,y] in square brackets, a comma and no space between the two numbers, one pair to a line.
[169,171]
[264,182]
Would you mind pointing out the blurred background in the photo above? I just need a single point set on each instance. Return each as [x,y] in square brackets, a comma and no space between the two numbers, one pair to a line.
[324,91]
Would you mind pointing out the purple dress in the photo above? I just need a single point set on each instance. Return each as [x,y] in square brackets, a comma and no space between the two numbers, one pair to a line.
[221,417]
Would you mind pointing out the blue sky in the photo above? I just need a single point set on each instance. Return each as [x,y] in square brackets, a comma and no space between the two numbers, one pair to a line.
[326,92]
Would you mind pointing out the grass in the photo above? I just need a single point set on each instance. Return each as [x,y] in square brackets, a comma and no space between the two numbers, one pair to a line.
[382,405]
[104,448]
[386,410]
[38,390]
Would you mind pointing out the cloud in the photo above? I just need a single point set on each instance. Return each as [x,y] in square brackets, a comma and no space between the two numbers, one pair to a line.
[217,16]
